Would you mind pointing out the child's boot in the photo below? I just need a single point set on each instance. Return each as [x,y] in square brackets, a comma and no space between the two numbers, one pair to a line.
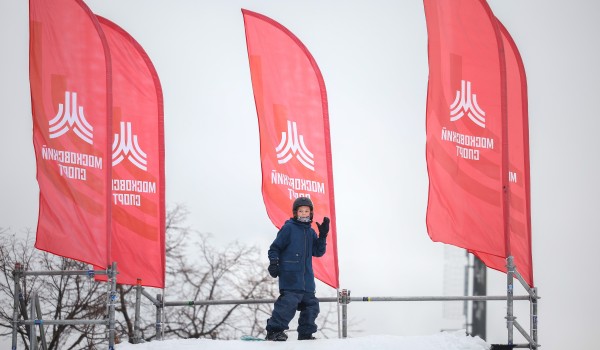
[308,336]
[276,336]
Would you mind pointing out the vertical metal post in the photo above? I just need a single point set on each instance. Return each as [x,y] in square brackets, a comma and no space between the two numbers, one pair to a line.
[344,299]
[136,323]
[159,310]
[112,278]
[338,315]
[344,320]
[38,310]
[16,277]
[23,309]
[534,317]
[510,266]
[466,293]
[32,335]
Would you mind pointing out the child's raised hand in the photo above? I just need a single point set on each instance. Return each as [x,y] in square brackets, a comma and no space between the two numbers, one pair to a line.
[323,227]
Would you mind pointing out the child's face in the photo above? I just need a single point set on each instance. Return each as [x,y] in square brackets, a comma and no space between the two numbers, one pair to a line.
[303,211]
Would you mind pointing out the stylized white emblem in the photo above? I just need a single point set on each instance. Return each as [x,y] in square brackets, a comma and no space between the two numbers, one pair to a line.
[69,116]
[126,145]
[292,144]
[466,102]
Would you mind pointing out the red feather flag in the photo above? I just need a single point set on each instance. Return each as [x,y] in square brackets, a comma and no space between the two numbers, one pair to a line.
[138,177]
[518,157]
[70,79]
[518,154]
[471,202]
[291,103]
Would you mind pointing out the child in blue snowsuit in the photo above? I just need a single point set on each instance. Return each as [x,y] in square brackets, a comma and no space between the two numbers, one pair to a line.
[290,258]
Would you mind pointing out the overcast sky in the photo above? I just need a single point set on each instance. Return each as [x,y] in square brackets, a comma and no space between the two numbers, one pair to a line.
[373,57]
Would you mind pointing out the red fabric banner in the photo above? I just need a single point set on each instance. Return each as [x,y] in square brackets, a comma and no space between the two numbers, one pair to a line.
[518,154]
[293,119]
[138,180]
[468,136]
[71,105]
[464,126]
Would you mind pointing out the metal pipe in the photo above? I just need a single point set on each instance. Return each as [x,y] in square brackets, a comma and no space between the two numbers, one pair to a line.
[338,317]
[509,301]
[335,300]
[136,322]
[23,307]
[466,292]
[448,298]
[38,310]
[65,322]
[524,284]
[523,333]
[344,321]
[220,302]
[344,301]
[16,276]
[534,317]
[150,297]
[64,273]
[32,335]
[159,310]
[111,305]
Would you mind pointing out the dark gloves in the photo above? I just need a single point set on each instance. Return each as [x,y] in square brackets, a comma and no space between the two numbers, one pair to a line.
[274,268]
[323,228]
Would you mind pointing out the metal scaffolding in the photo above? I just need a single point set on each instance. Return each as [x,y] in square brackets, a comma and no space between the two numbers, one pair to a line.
[35,313]
[343,299]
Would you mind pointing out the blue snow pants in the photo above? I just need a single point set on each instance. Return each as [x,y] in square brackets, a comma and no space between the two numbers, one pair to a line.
[285,309]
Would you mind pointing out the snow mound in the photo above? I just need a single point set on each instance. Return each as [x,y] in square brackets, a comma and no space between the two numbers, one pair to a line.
[440,341]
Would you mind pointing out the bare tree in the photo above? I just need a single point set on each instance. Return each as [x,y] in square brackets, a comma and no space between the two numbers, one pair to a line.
[230,273]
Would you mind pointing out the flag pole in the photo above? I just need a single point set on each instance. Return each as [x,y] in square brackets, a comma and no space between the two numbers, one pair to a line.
[112,281]
[510,266]
[338,314]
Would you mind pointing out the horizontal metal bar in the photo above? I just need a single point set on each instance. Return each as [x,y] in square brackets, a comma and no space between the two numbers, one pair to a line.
[329,300]
[68,322]
[434,298]
[335,300]
[64,273]
[219,302]
[505,346]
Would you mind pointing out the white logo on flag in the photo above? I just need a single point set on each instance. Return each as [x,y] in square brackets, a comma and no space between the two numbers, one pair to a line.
[292,144]
[126,145]
[466,102]
[70,115]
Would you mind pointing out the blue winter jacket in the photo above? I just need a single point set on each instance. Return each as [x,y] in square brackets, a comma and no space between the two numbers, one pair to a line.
[294,247]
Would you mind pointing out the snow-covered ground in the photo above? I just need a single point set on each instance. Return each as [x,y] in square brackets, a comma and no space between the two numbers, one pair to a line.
[440,341]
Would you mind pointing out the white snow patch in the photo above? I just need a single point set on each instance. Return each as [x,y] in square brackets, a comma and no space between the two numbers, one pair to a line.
[440,341]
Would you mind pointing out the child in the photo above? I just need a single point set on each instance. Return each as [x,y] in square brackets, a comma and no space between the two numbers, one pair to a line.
[290,258]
